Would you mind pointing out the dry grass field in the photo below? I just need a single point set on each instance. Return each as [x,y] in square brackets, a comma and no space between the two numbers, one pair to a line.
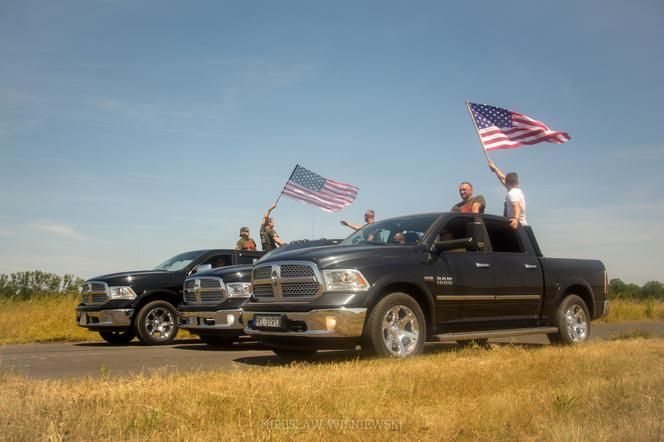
[608,390]
[43,319]
[51,318]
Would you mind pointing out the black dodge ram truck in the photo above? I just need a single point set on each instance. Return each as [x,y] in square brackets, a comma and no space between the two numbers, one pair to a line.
[142,303]
[397,283]
[212,300]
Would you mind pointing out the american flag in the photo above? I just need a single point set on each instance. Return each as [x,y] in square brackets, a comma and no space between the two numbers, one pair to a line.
[503,129]
[308,187]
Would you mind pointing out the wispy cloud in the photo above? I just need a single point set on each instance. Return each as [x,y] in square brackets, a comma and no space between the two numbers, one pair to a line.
[274,73]
[59,230]
[132,109]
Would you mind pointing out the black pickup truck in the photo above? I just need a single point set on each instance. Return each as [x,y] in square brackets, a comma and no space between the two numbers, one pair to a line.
[121,306]
[212,300]
[395,284]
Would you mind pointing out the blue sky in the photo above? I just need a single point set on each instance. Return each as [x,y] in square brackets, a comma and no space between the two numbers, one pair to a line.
[134,130]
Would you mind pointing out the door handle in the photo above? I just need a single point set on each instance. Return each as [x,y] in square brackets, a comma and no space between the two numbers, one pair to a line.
[482,265]
[530,266]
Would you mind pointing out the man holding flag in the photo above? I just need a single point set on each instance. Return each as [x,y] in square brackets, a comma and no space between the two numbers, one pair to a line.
[499,128]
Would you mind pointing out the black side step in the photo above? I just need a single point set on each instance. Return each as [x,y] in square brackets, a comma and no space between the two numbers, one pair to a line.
[487,334]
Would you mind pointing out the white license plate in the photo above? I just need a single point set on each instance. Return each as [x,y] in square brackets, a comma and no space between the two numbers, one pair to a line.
[265,321]
[83,319]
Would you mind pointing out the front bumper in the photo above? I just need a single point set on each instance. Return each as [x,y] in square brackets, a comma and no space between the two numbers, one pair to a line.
[324,323]
[111,318]
[200,322]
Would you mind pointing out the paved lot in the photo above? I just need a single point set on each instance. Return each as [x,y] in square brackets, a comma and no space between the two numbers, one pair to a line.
[75,360]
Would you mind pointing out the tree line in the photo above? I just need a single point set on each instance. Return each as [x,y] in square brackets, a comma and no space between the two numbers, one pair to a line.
[24,285]
[650,290]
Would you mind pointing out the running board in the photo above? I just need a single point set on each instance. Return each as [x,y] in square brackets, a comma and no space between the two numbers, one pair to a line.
[487,334]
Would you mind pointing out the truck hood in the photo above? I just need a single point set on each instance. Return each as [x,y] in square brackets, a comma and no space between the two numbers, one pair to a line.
[340,256]
[132,278]
[236,273]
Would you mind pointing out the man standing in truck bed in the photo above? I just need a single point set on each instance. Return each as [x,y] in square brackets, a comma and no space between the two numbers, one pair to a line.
[269,237]
[469,203]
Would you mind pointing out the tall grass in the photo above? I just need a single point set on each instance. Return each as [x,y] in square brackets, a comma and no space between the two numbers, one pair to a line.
[623,310]
[43,319]
[609,390]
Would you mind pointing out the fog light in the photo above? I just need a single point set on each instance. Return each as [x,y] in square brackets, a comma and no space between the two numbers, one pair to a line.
[230,319]
[330,323]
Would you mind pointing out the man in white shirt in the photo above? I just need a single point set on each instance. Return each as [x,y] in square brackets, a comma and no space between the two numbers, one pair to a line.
[515,200]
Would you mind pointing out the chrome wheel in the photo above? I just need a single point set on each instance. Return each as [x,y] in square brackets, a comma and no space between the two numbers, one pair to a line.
[159,323]
[576,322]
[400,330]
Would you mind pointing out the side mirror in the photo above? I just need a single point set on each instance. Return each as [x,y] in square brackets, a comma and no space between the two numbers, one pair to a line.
[201,267]
[441,246]
[475,231]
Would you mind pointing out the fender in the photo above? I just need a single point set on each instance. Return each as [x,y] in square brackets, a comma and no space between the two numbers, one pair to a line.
[561,288]
[146,296]
[376,291]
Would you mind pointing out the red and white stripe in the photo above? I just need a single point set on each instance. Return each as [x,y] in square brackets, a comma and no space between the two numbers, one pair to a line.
[524,131]
[332,197]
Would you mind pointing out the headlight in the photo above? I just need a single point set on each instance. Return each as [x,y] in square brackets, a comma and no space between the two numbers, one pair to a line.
[342,280]
[238,289]
[122,293]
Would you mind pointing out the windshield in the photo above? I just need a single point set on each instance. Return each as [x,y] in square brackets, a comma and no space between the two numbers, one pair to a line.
[178,262]
[406,231]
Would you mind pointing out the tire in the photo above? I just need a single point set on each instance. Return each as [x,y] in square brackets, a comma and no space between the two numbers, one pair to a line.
[395,328]
[218,341]
[469,342]
[118,337]
[156,323]
[573,321]
[294,354]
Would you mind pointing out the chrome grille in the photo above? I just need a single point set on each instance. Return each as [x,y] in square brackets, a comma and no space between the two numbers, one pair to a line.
[296,271]
[293,279]
[263,291]
[263,273]
[292,289]
[204,291]
[94,292]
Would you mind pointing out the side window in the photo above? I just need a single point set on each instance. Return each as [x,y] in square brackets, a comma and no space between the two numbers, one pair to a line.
[456,228]
[219,261]
[503,237]
[247,259]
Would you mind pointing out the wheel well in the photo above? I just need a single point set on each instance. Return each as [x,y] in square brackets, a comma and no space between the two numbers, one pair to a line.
[584,294]
[171,298]
[413,291]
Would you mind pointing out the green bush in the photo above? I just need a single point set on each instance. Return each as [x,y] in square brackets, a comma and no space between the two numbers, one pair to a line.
[24,285]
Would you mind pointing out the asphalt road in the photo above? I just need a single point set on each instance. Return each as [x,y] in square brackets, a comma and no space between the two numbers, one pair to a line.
[93,359]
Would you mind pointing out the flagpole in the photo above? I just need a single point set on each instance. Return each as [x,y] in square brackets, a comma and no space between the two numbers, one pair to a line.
[282,190]
[477,130]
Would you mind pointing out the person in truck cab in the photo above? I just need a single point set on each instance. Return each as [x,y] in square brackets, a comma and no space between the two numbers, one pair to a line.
[369,218]
[515,200]
[269,237]
[469,203]
[245,243]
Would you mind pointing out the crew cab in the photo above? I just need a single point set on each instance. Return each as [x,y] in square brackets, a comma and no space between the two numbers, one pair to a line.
[397,283]
[212,300]
[121,306]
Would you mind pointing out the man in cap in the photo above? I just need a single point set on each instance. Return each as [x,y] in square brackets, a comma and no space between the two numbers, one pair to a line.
[245,243]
